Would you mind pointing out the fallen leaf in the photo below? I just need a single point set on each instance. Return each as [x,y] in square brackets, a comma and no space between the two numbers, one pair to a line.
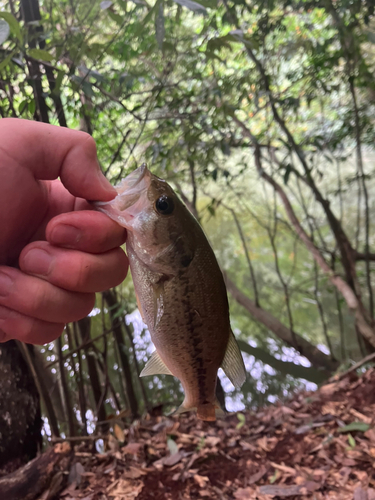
[75,473]
[124,489]
[212,440]
[200,480]
[134,473]
[289,491]
[132,448]
[257,476]
[112,443]
[173,459]
[205,493]
[284,468]
[243,493]
[119,433]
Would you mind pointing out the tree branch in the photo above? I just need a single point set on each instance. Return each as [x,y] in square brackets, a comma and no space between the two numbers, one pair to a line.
[363,320]
[317,358]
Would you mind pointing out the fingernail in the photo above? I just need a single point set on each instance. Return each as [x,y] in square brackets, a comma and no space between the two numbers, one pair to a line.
[106,184]
[6,283]
[65,235]
[37,261]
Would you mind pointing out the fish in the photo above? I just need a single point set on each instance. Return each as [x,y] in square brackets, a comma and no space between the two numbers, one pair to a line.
[180,290]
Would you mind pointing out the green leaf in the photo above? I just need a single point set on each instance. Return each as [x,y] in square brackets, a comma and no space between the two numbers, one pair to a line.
[22,106]
[351,441]
[115,17]
[119,312]
[41,54]
[6,61]
[194,6]
[58,82]
[355,426]
[147,18]
[13,24]
[32,106]
[242,420]
[274,477]
[4,31]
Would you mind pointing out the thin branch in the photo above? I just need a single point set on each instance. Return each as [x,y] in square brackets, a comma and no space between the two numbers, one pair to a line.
[365,193]
[247,253]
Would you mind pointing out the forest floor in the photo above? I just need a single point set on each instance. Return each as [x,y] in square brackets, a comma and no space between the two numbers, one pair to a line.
[318,445]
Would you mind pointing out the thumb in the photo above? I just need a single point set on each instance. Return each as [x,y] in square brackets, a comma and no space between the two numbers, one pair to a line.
[50,152]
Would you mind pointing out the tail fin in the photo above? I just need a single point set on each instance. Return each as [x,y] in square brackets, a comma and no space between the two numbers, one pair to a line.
[208,411]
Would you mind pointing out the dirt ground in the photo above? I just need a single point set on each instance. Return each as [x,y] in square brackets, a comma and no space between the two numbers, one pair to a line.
[319,445]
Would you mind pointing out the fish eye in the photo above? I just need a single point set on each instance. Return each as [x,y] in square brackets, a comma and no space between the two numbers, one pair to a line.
[164,205]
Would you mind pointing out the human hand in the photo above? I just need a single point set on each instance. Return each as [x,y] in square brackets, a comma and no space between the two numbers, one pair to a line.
[64,251]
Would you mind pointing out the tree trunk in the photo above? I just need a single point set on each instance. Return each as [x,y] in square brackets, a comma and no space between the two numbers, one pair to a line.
[111,299]
[29,482]
[20,416]
[84,326]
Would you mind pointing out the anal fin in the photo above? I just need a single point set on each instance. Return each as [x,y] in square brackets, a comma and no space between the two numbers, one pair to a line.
[233,364]
[155,366]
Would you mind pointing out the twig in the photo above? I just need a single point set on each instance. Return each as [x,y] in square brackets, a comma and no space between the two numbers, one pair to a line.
[355,367]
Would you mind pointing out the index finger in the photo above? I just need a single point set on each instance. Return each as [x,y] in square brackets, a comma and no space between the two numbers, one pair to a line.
[49,152]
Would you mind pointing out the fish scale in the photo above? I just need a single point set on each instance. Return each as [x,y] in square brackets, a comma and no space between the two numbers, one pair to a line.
[180,290]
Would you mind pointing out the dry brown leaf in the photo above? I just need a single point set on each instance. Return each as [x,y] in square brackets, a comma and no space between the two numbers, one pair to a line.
[289,491]
[257,476]
[284,468]
[331,408]
[134,473]
[370,434]
[360,416]
[119,433]
[173,459]
[205,493]
[329,389]
[200,480]
[244,493]
[112,443]
[360,494]
[212,441]
[123,489]
[267,444]
[132,448]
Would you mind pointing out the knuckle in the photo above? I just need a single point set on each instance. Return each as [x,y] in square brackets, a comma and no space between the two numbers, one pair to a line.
[88,143]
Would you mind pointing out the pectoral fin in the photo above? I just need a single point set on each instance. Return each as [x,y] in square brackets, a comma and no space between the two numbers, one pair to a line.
[140,307]
[233,364]
[155,366]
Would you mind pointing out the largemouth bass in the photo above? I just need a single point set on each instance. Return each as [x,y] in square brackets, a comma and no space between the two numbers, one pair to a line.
[180,290]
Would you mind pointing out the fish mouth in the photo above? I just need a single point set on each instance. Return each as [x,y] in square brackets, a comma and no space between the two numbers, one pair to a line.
[129,200]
